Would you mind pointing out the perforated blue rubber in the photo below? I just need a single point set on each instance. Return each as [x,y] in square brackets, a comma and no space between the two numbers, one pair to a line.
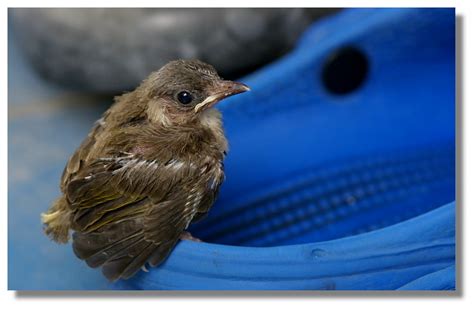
[328,191]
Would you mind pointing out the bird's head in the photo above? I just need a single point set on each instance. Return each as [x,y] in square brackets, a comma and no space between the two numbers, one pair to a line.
[182,90]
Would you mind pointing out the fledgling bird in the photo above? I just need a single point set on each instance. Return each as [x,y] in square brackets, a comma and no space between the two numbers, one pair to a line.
[149,167]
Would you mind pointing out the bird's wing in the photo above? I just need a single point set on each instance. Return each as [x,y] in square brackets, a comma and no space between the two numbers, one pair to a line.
[129,211]
[76,161]
[123,246]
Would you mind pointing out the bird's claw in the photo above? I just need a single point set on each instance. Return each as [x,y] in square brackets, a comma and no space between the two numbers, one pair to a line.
[187,236]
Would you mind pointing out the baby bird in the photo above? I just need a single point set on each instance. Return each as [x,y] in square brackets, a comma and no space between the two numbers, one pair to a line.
[148,168]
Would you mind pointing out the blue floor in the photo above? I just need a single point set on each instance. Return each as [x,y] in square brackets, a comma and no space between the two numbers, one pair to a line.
[45,125]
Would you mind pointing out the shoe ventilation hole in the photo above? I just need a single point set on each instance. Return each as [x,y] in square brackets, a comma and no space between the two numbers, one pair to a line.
[345,70]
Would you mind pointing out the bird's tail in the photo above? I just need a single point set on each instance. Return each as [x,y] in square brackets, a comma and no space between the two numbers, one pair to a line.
[120,248]
[57,221]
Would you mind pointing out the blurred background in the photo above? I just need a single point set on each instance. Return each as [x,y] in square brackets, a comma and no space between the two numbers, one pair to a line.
[349,129]
[108,51]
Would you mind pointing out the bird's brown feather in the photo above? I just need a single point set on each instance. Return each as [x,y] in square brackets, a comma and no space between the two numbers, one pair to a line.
[127,209]
[160,200]
[137,182]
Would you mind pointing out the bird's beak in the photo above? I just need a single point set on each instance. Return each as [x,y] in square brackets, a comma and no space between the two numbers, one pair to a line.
[221,91]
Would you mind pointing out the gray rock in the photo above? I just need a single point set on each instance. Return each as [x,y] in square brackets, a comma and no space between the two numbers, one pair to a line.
[112,50]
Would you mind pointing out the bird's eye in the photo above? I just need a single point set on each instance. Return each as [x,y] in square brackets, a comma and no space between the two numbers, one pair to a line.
[185,97]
